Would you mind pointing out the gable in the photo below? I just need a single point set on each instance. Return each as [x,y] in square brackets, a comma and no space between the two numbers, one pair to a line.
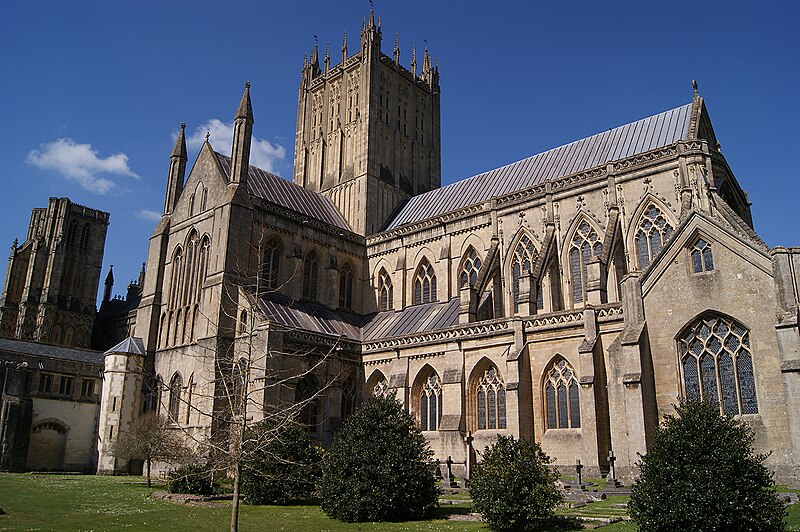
[205,170]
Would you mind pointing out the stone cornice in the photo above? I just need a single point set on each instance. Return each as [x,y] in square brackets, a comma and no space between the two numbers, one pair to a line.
[457,332]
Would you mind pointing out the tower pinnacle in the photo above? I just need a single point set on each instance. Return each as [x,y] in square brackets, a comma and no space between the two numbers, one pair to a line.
[396,49]
[177,172]
[242,133]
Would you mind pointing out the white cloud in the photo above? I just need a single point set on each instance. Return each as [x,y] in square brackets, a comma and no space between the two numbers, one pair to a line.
[148,215]
[263,153]
[81,163]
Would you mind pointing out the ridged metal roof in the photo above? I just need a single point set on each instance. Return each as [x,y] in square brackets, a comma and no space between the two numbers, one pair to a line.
[410,320]
[621,142]
[310,317]
[278,190]
[24,347]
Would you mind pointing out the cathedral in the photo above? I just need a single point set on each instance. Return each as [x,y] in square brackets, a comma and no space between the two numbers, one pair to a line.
[570,298]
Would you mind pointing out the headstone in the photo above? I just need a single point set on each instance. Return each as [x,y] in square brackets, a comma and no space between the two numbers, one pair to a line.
[579,474]
[449,481]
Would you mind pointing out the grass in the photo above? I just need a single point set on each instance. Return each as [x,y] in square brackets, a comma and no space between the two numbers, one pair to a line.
[74,502]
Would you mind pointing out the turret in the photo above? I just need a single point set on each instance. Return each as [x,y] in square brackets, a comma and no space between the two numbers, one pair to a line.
[109,283]
[242,136]
[177,172]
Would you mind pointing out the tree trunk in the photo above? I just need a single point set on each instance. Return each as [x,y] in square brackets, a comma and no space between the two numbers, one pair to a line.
[235,501]
[148,472]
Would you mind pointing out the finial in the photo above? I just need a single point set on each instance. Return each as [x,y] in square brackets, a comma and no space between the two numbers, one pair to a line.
[414,60]
[208,134]
[396,49]
[183,126]
[694,86]
[327,56]
[16,243]
[246,84]
[316,42]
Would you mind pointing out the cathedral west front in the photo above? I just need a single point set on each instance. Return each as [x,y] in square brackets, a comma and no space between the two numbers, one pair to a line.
[570,298]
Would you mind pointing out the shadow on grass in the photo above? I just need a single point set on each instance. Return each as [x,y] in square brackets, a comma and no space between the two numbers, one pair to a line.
[444,512]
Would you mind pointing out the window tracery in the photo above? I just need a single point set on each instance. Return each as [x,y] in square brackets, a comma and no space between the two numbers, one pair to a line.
[585,245]
[702,258]
[385,291]
[271,265]
[346,286]
[175,397]
[424,283]
[430,403]
[491,400]
[470,267]
[717,364]
[310,275]
[521,265]
[306,396]
[381,388]
[653,231]
[561,396]
[349,395]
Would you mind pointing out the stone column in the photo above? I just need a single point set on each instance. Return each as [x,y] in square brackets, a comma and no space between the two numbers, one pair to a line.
[588,403]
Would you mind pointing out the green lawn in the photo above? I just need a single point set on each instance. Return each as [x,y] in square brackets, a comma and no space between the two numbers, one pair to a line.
[72,502]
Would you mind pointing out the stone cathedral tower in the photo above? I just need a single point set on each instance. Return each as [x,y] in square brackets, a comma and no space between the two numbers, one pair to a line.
[368,130]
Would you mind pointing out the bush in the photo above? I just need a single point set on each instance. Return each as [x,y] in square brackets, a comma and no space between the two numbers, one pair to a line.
[702,474]
[194,479]
[379,468]
[281,465]
[514,488]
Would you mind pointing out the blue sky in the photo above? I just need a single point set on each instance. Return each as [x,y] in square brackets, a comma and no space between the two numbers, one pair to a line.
[92,93]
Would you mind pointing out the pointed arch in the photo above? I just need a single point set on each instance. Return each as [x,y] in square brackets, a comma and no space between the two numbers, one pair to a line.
[175,385]
[175,276]
[377,385]
[427,394]
[310,275]
[486,403]
[270,263]
[583,243]
[190,384]
[521,257]
[651,225]
[561,395]
[469,268]
[199,195]
[349,397]
[346,286]
[424,283]
[306,398]
[385,290]
[716,363]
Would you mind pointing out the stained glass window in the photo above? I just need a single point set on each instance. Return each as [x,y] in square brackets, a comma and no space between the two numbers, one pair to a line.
[470,267]
[719,348]
[491,398]
[430,407]
[305,396]
[424,283]
[346,286]
[702,259]
[522,264]
[385,292]
[651,234]
[175,386]
[269,270]
[310,274]
[585,245]
[561,395]
[349,395]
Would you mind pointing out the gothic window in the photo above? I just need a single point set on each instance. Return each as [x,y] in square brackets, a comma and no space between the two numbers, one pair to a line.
[385,292]
[381,388]
[177,262]
[561,396]
[305,396]
[424,283]
[191,205]
[72,233]
[204,202]
[189,393]
[84,237]
[470,267]
[243,322]
[175,396]
[702,260]
[348,397]
[430,403]
[491,400]
[585,245]
[717,364]
[310,274]
[271,265]
[346,286]
[652,233]
[521,265]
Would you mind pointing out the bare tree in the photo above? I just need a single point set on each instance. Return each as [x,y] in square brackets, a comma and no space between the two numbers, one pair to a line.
[149,438]
[249,380]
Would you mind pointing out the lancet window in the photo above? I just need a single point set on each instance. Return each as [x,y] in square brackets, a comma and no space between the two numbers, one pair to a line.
[346,286]
[702,259]
[424,283]
[189,270]
[381,388]
[430,403]
[305,397]
[561,396]
[717,364]
[349,395]
[521,265]
[271,265]
[491,400]
[175,396]
[385,291]
[470,267]
[651,234]
[585,245]
[310,275]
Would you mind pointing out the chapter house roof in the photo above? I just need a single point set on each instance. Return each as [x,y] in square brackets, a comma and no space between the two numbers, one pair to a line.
[279,191]
[621,142]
